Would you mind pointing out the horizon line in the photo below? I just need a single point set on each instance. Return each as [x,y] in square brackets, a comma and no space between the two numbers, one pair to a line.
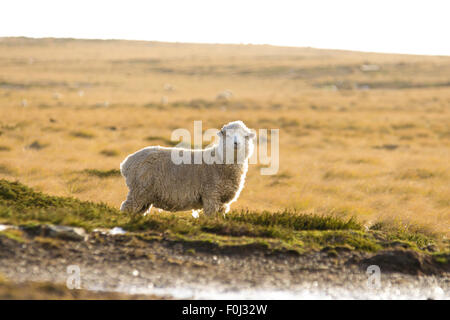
[225,44]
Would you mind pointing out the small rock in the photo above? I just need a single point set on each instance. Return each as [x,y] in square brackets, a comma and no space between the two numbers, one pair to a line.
[60,232]
[4,227]
[101,230]
[67,233]
[116,230]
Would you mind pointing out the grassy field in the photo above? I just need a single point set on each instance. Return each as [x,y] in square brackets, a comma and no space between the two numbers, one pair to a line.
[361,134]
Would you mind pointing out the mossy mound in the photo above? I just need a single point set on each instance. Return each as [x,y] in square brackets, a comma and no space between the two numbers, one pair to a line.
[21,205]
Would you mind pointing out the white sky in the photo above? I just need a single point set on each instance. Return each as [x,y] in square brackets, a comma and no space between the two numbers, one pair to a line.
[399,26]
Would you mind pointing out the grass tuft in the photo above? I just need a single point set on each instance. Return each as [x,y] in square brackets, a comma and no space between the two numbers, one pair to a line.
[102,173]
[296,221]
[110,153]
[82,134]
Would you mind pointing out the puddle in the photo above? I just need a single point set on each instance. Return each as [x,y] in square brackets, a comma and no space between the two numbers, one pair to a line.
[308,291]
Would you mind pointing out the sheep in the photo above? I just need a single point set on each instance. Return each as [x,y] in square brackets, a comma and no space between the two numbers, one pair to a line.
[224,95]
[155,179]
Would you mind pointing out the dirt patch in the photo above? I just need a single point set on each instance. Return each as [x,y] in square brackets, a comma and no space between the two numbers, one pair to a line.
[406,261]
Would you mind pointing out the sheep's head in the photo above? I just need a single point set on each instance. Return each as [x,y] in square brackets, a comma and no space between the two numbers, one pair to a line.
[236,137]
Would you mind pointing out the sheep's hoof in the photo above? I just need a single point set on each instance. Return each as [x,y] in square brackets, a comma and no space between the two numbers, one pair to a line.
[149,210]
[125,207]
[195,213]
[128,207]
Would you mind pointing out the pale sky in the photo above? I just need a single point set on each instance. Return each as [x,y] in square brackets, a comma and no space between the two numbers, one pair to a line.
[395,26]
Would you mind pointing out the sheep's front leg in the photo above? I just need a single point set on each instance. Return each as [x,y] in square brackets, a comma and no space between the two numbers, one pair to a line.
[211,205]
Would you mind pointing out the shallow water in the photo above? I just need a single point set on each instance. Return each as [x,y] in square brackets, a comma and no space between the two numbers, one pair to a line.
[305,292]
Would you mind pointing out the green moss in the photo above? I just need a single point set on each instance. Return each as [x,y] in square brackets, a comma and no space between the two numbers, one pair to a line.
[191,251]
[12,234]
[411,238]
[442,257]
[22,205]
[411,235]
[358,240]
[48,243]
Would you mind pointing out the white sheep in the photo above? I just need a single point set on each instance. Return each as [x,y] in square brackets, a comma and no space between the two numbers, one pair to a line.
[224,95]
[155,179]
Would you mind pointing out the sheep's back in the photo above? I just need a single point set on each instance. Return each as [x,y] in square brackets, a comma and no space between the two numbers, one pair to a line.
[168,185]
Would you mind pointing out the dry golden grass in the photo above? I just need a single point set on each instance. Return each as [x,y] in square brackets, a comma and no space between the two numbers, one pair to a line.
[374,144]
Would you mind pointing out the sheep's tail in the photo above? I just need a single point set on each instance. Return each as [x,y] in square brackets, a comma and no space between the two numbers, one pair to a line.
[132,164]
[125,167]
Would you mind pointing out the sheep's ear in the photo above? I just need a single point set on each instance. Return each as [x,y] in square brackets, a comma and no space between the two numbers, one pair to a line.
[252,135]
[221,133]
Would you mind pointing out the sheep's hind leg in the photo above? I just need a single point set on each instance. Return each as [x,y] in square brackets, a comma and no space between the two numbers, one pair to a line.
[149,210]
[133,205]
[212,206]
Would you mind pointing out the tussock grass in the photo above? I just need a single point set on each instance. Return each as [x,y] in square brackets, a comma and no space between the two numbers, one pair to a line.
[419,173]
[164,141]
[82,134]
[102,173]
[340,174]
[36,145]
[296,221]
[110,152]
